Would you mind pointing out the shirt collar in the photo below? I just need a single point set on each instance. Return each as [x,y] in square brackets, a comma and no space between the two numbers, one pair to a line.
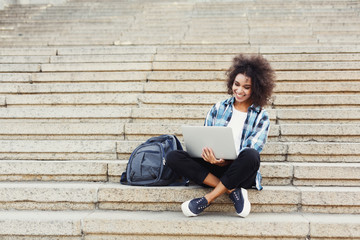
[252,107]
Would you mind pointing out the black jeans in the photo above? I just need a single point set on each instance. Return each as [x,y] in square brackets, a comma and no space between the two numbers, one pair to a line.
[240,173]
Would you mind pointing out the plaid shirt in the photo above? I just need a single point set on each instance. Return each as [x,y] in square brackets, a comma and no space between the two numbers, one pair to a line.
[255,131]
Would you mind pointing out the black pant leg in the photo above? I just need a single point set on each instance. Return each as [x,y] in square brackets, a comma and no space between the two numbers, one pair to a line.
[194,169]
[184,165]
[242,172]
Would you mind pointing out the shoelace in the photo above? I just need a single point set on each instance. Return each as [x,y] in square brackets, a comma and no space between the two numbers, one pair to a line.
[202,207]
[237,196]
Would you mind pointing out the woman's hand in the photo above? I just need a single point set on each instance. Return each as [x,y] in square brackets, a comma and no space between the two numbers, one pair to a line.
[209,156]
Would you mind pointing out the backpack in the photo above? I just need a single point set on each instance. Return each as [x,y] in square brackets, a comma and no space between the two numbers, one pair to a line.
[147,164]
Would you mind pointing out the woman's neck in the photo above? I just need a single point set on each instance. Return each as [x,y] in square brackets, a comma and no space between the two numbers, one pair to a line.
[243,106]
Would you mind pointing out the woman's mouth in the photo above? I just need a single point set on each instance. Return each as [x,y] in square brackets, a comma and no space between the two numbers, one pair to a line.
[239,96]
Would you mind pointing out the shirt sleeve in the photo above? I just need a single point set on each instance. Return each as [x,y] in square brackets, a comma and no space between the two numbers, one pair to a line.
[210,116]
[258,137]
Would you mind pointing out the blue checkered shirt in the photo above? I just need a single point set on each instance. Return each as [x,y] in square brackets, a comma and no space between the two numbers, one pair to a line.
[255,131]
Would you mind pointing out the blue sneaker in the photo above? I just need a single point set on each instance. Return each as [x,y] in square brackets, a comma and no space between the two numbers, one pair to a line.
[194,207]
[241,202]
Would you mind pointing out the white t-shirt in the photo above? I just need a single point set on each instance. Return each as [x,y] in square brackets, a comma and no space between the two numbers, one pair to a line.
[237,124]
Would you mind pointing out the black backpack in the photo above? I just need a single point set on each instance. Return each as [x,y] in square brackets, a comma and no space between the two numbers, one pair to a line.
[147,164]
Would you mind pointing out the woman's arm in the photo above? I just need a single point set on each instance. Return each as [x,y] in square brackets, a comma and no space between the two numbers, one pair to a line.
[210,116]
[258,136]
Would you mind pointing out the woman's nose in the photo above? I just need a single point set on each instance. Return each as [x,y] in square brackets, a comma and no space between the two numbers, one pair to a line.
[239,90]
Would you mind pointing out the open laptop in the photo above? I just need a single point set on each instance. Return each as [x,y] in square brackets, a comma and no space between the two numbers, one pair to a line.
[219,139]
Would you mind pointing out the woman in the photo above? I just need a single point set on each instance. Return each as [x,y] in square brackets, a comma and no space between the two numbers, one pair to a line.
[250,83]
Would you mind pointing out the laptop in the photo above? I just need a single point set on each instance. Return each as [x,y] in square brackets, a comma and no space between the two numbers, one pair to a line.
[219,139]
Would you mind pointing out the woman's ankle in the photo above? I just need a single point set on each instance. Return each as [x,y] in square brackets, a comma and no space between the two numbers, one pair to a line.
[230,191]
[209,198]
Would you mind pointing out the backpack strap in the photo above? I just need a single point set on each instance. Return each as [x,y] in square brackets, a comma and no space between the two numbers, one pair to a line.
[184,182]
[178,144]
[123,179]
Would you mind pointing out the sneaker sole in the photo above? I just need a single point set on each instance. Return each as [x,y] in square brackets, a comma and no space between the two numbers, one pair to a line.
[186,210]
[247,205]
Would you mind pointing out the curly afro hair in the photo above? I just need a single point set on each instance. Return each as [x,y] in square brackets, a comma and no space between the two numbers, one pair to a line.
[262,76]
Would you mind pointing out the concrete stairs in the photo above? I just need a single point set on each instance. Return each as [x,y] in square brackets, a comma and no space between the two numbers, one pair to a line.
[83,83]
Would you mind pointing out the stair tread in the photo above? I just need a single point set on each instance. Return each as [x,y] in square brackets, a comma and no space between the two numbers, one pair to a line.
[175,224]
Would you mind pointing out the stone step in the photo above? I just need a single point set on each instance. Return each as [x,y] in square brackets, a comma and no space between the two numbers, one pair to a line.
[283,173]
[89,67]
[282,39]
[27,67]
[281,87]
[2,102]
[328,27]
[338,39]
[180,67]
[303,53]
[86,77]
[31,51]
[114,196]
[46,130]
[126,99]
[113,149]
[265,50]
[313,101]
[203,49]
[67,113]
[334,115]
[282,133]
[345,48]
[281,76]
[58,149]
[280,101]
[24,59]
[176,58]
[174,116]
[59,171]
[143,131]
[169,115]
[168,100]
[47,88]
[150,100]
[318,132]
[336,174]
[192,28]
[278,66]
[286,151]
[270,199]
[36,225]
[321,152]
[100,50]
[43,42]
[102,58]
[168,40]
[108,225]
[105,170]
[269,225]
[317,87]
[273,173]
[270,57]
[192,115]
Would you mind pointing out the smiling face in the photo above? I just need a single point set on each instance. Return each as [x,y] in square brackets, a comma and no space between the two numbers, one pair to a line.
[242,90]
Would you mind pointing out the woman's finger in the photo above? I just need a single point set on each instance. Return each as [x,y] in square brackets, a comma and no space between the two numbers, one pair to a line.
[205,157]
[211,152]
